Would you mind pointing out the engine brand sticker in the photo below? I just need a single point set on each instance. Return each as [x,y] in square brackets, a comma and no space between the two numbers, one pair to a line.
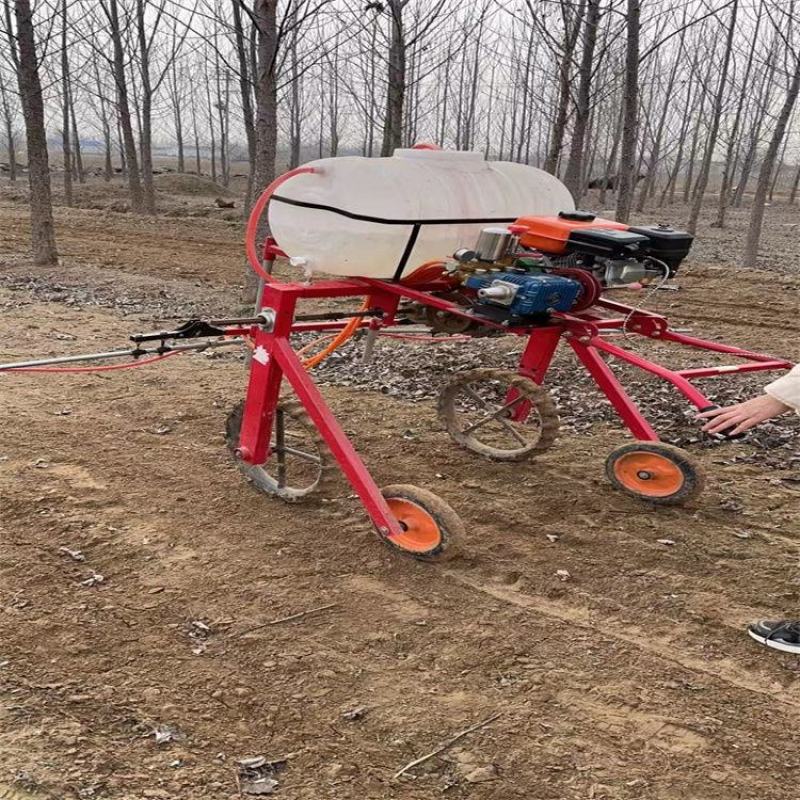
[261,355]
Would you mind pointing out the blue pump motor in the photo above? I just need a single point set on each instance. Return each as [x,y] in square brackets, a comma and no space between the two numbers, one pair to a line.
[525,295]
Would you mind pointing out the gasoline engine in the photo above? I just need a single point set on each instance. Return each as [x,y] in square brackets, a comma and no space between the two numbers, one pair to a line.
[540,265]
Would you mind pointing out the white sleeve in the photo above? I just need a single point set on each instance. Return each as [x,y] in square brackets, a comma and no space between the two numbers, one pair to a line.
[787,389]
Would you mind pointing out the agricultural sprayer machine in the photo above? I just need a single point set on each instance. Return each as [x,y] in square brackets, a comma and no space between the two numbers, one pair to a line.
[487,266]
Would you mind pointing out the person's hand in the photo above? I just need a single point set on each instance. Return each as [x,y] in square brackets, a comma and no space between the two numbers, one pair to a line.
[743,416]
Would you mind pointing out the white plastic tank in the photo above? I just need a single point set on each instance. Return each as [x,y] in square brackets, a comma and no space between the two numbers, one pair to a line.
[413,186]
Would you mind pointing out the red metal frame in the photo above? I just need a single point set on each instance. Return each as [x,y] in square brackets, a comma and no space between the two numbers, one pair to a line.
[274,359]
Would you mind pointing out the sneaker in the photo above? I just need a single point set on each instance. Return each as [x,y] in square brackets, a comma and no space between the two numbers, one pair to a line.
[781,634]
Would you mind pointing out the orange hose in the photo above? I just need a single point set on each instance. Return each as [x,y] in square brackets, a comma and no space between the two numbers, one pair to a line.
[344,335]
[255,216]
[428,271]
[255,264]
[311,345]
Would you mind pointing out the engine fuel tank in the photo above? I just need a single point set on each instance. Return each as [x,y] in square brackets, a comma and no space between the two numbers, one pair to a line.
[550,234]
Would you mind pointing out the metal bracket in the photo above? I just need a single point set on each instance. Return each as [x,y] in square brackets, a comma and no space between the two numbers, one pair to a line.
[191,329]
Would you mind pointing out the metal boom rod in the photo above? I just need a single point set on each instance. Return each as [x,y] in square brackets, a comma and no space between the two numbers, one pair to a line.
[43,362]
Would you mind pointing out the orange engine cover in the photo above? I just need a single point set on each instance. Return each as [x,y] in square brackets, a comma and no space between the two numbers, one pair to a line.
[550,234]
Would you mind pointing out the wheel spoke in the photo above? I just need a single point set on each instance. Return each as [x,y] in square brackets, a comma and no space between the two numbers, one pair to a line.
[297,463]
[299,453]
[495,415]
[475,396]
[280,448]
[514,432]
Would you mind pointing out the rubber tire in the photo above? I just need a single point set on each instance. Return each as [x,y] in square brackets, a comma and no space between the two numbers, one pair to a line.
[451,528]
[693,472]
[259,477]
[536,394]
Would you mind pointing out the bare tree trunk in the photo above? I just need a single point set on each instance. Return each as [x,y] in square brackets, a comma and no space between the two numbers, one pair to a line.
[396,89]
[175,84]
[767,166]
[121,147]
[11,148]
[211,131]
[266,92]
[246,92]
[489,115]
[222,87]
[612,158]
[460,107]
[711,142]
[197,161]
[764,95]
[627,166]
[333,102]
[123,108]
[795,185]
[372,107]
[572,26]
[147,112]
[689,182]
[473,88]
[108,164]
[733,141]
[527,112]
[574,170]
[77,161]
[65,119]
[179,142]
[294,102]
[409,130]
[524,104]
[108,167]
[223,105]
[648,188]
[672,181]
[445,98]
[501,147]
[593,139]
[30,92]
[776,172]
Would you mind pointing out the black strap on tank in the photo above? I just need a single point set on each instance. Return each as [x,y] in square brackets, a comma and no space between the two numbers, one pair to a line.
[415,223]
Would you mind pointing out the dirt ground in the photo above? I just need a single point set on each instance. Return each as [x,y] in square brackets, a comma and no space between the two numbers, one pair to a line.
[139,572]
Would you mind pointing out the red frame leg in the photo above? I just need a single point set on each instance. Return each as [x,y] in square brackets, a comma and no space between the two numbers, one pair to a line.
[613,390]
[343,451]
[264,383]
[273,358]
[534,364]
[539,352]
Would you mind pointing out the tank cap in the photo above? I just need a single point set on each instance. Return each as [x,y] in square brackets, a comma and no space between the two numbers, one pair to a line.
[578,216]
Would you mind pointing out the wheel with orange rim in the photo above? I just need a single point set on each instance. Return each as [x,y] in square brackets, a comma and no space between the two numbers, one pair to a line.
[656,472]
[431,530]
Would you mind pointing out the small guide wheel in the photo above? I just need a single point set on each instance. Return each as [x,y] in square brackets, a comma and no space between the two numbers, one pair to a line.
[299,463]
[432,531]
[656,472]
[498,414]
